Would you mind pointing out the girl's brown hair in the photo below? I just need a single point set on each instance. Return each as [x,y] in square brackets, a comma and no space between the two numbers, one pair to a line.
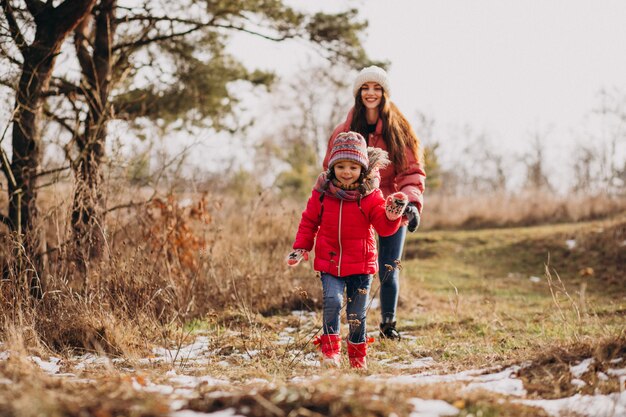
[397,132]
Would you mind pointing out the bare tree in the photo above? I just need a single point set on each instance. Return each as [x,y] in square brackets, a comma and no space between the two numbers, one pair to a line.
[51,26]
[536,176]
[178,46]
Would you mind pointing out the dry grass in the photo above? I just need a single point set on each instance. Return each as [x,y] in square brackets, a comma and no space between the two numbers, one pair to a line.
[526,208]
[215,267]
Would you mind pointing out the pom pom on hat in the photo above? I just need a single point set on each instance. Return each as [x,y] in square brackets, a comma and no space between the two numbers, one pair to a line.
[349,146]
[371,74]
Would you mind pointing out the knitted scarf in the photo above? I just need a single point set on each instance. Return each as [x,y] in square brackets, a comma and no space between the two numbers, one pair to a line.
[377,160]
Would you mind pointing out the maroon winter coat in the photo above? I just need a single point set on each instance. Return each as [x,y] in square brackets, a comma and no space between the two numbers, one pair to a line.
[410,181]
[345,243]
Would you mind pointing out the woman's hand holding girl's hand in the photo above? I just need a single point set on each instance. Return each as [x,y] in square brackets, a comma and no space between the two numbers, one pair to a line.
[395,205]
[296,256]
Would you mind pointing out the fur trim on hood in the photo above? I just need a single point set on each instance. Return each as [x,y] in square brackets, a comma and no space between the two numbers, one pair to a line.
[378,158]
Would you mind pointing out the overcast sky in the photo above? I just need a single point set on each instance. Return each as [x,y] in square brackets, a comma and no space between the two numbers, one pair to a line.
[508,68]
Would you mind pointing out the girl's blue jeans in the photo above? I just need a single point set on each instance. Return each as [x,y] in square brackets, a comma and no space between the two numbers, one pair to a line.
[357,293]
[389,251]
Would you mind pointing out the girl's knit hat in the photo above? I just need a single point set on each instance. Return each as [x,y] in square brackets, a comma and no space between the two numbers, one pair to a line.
[349,146]
[371,74]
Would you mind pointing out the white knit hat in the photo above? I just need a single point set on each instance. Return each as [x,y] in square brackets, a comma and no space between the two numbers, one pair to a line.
[371,74]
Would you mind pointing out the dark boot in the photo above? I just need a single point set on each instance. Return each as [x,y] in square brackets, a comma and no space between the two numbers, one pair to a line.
[330,345]
[388,331]
[357,352]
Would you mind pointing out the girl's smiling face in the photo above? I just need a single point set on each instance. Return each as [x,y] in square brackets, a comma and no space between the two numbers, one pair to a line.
[347,172]
[371,94]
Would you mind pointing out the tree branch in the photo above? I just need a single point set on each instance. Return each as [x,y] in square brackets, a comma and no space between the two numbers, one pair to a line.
[5,220]
[70,13]
[63,122]
[52,171]
[7,84]
[8,57]
[48,184]
[35,7]
[14,29]
[81,41]
[130,204]
[155,39]
[251,32]
[61,86]
[198,26]
[4,164]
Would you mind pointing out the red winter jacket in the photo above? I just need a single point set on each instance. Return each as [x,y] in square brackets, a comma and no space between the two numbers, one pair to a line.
[410,181]
[345,243]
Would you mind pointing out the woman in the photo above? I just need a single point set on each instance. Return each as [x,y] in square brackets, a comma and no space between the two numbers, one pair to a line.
[379,121]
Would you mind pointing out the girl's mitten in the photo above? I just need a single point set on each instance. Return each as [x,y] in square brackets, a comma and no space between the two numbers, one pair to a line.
[395,204]
[296,255]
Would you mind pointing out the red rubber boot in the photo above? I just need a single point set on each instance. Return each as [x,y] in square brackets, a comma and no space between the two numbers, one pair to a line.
[330,345]
[357,352]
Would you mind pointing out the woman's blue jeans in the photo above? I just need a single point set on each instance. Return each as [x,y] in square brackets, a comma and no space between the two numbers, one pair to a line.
[357,293]
[389,251]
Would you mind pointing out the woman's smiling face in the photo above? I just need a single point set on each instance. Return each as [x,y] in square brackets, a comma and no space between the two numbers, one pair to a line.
[371,94]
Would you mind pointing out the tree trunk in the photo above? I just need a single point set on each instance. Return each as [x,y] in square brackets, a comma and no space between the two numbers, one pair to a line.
[88,207]
[53,24]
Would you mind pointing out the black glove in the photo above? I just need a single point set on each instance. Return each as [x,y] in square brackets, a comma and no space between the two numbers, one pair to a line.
[413,216]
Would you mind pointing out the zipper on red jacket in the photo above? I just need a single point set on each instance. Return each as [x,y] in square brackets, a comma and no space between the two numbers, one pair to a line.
[340,248]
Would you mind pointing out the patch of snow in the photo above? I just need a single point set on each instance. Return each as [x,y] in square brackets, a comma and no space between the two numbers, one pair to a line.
[177,404]
[4,356]
[229,412]
[189,381]
[428,378]
[90,359]
[251,353]
[51,367]
[507,386]
[303,313]
[570,243]
[311,359]
[534,279]
[616,360]
[258,381]
[578,382]
[616,372]
[284,339]
[419,363]
[5,381]
[158,388]
[611,405]
[305,379]
[501,382]
[375,303]
[602,376]
[198,349]
[432,408]
[578,370]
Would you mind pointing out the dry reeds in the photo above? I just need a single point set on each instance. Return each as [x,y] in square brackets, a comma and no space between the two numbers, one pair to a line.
[526,208]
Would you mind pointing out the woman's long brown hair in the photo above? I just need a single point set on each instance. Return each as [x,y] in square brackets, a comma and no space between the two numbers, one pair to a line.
[397,132]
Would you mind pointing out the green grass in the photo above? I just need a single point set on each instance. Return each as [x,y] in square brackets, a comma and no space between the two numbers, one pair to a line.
[467,301]
[469,296]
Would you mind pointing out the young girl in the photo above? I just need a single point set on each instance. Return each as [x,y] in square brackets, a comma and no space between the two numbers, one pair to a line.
[383,125]
[345,203]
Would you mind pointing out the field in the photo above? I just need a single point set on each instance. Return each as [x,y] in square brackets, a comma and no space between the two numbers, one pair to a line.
[515,321]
